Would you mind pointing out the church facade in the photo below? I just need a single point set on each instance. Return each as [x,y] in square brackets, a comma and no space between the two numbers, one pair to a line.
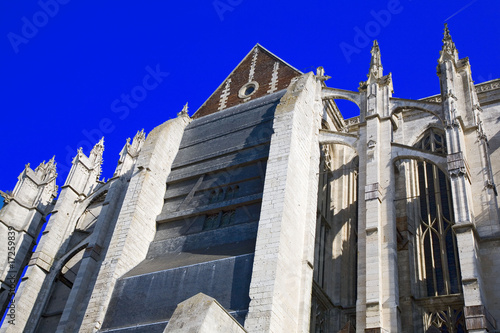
[267,211]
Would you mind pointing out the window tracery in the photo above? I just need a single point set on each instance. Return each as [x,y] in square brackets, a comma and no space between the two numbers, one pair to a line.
[450,320]
[436,243]
[437,240]
[433,140]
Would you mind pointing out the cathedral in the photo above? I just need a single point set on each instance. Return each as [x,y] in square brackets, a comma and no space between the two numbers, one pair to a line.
[267,211]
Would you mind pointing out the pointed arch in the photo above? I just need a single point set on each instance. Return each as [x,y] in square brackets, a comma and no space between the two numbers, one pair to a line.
[65,275]
[438,260]
[426,211]
[432,139]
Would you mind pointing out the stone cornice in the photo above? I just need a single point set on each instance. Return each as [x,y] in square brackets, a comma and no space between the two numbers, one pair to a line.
[480,88]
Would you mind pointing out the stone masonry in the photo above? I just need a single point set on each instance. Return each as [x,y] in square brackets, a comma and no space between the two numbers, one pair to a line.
[267,211]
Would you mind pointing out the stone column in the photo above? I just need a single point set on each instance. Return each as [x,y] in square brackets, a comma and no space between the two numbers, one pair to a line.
[378,291]
[455,113]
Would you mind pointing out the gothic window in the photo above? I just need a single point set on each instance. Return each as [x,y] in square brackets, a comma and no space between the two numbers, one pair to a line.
[437,240]
[438,245]
[433,141]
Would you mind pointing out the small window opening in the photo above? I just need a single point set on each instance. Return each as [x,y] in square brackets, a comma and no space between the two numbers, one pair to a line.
[249,90]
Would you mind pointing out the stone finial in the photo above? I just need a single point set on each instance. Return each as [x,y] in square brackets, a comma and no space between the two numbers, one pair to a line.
[40,168]
[129,152]
[139,139]
[320,74]
[140,135]
[447,41]
[96,152]
[376,69]
[99,146]
[47,170]
[184,111]
[124,151]
[448,50]
[96,156]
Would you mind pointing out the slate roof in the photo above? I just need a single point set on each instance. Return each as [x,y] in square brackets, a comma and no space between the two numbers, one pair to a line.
[224,149]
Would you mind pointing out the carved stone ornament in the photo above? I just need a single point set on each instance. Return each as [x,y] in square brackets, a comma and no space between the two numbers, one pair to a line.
[352,121]
[450,94]
[320,74]
[184,111]
[328,157]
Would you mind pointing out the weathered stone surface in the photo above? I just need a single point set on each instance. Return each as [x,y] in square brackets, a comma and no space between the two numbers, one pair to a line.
[202,314]
[290,218]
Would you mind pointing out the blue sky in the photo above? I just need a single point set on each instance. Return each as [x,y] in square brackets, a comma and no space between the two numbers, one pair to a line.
[67,65]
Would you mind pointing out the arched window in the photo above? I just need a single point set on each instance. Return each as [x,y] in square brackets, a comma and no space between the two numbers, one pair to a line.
[433,140]
[437,240]
[438,244]
[59,294]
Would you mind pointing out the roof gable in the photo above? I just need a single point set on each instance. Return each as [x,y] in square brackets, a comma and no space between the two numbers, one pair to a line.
[260,73]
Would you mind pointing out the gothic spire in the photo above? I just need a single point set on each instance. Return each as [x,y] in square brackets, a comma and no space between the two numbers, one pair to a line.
[46,170]
[447,41]
[96,156]
[52,161]
[51,167]
[138,141]
[376,69]
[98,148]
[448,45]
[124,151]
